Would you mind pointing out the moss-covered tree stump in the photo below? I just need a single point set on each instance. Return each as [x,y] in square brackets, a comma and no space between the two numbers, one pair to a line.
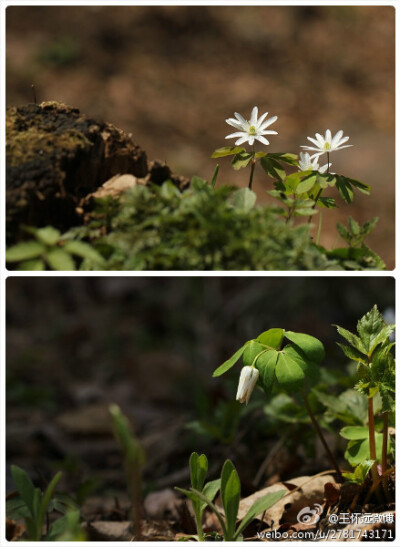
[55,156]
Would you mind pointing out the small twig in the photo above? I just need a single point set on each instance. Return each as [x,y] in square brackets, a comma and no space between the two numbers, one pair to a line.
[34,93]
[321,436]
[376,484]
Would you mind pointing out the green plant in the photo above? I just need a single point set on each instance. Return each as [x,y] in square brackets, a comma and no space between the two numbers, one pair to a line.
[372,350]
[202,228]
[134,460]
[230,497]
[49,248]
[293,368]
[300,193]
[198,472]
[34,506]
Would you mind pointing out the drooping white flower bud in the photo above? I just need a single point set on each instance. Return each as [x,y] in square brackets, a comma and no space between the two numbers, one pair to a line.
[247,382]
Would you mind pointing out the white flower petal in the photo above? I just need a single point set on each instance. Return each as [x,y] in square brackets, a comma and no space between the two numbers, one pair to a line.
[262,139]
[320,139]
[346,146]
[238,134]
[234,123]
[268,132]
[241,140]
[261,119]
[268,122]
[240,118]
[253,117]
[328,136]
[342,141]
[314,141]
[311,148]
[337,137]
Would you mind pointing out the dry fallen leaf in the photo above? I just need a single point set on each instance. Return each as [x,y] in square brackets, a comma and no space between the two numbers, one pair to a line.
[310,493]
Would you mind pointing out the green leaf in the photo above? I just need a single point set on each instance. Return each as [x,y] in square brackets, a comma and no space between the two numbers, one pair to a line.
[271,338]
[306,184]
[83,250]
[272,167]
[352,339]
[25,251]
[46,499]
[361,186]
[373,330]
[227,151]
[241,160]
[230,362]
[202,468]
[210,491]
[290,159]
[215,176]
[59,260]
[344,188]
[230,493]
[328,203]
[261,505]
[25,487]
[32,265]
[352,353]
[266,364]
[312,348]
[244,199]
[194,457]
[354,432]
[253,348]
[288,372]
[48,235]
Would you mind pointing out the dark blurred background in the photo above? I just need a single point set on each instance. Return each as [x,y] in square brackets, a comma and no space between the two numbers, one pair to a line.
[75,345]
[172,75]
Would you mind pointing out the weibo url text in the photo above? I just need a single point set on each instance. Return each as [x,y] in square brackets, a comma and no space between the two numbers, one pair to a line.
[382,534]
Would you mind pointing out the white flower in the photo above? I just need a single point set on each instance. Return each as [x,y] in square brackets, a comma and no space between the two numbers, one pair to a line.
[308,163]
[247,382]
[327,143]
[251,130]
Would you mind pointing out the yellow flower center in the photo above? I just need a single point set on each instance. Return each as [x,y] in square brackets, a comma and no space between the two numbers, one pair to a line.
[327,146]
[252,131]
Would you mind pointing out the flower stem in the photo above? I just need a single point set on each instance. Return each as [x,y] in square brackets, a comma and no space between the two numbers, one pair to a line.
[384,454]
[253,164]
[319,194]
[372,446]
[321,436]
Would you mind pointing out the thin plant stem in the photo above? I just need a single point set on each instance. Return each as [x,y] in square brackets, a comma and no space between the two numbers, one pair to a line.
[321,435]
[197,515]
[384,454]
[319,192]
[136,496]
[372,446]
[319,229]
[253,164]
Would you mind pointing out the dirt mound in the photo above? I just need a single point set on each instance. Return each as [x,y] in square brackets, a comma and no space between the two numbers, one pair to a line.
[55,156]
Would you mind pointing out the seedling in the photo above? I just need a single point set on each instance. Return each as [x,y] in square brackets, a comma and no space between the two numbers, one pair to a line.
[34,506]
[230,497]
[198,472]
[134,460]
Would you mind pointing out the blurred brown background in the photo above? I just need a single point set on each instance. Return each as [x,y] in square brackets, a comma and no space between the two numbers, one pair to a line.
[172,75]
